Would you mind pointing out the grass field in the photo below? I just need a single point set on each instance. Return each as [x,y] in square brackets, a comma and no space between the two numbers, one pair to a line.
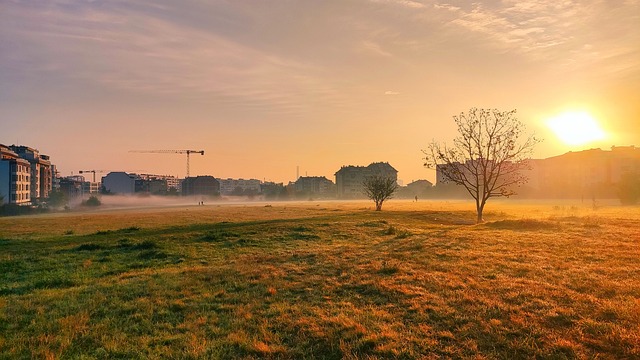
[323,280]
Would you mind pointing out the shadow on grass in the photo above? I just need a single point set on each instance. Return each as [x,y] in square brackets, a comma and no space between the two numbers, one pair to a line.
[375,224]
[45,281]
[4,242]
[218,235]
[127,230]
[89,247]
[523,225]
[295,235]
[123,244]
[72,267]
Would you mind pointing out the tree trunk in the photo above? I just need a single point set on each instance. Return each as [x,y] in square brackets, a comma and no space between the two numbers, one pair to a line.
[378,206]
[479,208]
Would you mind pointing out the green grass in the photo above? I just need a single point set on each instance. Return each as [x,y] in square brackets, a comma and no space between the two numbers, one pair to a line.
[328,284]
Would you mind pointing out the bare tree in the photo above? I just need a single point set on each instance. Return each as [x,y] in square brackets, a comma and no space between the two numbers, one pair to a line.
[379,189]
[487,158]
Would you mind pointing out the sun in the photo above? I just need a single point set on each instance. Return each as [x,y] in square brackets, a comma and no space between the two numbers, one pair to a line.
[576,128]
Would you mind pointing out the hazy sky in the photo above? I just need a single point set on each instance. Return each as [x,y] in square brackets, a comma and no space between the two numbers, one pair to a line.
[265,86]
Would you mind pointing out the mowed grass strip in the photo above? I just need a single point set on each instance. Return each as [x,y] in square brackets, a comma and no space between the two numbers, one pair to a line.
[345,284]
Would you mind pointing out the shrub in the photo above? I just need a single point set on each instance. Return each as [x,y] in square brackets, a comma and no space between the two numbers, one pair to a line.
[57,199]
[14,210]
[391,230]
[92,201]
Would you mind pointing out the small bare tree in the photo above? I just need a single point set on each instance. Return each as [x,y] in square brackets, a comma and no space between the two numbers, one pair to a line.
[487,158]
[379,189]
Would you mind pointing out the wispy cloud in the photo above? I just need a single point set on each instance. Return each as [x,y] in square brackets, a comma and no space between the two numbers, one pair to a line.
[404,3]
[236,55]
[448,7]
[146,54]
[374,48]
[553,30]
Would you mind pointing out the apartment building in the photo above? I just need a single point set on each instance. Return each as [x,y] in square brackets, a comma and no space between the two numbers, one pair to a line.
[201,185]
[349,179]
[157,184]
[239,186]
[315,186]
[73,187]
[119,182]
[592,173]
[583,174]
[41,174]
[15,178]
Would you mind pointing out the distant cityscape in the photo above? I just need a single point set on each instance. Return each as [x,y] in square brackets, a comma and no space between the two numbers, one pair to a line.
[28,177]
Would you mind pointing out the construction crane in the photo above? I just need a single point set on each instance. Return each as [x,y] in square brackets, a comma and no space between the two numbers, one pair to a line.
[188,152]
[93,172]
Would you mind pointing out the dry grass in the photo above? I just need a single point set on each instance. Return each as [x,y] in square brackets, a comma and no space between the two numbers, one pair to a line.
[323,280]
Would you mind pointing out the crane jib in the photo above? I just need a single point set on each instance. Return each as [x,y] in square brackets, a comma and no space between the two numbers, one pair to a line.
[188,152]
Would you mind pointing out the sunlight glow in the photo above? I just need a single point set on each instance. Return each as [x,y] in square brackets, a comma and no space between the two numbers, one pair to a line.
[576,128]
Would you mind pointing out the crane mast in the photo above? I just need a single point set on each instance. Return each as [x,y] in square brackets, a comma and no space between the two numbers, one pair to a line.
[188,152]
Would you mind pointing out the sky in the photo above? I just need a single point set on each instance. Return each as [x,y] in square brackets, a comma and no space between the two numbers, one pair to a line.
[267,87]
